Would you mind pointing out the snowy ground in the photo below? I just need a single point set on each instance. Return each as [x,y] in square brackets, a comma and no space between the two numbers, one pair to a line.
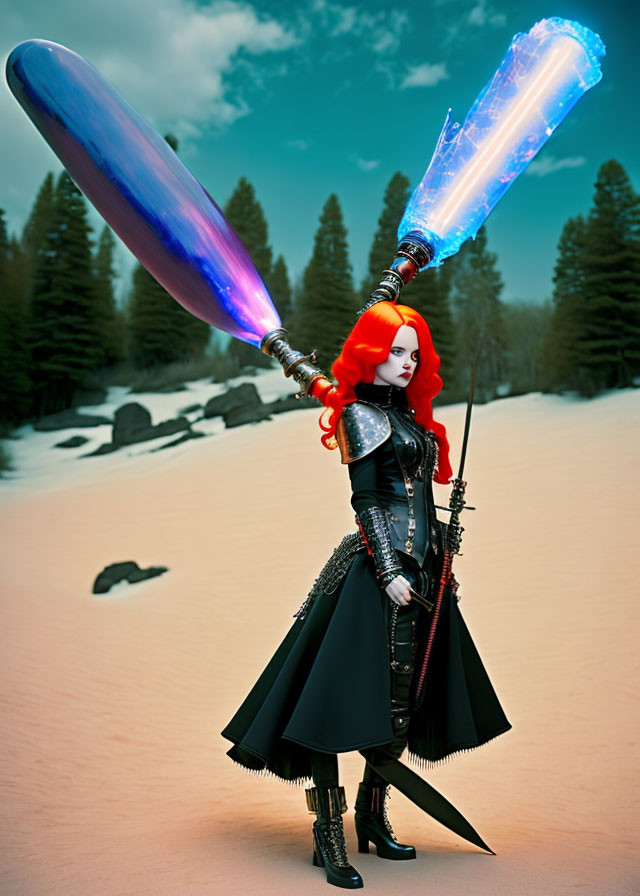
[113,773]
[39,464]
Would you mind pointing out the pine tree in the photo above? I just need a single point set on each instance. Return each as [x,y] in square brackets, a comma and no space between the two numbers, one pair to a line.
[429,293]
[40,219]
[15,394]
[527,327]
[64,324]
[110,322]
[280,290]
[172,140]
[197,333]
[326,310]
[38,227]
[479,324]
[385,240]
[294,320]
[610,347]
[4,241]
[244,213]
[564,347]
[156,323]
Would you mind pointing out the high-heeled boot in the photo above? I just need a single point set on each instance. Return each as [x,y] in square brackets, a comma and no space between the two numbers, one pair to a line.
[373,825]
[329,848]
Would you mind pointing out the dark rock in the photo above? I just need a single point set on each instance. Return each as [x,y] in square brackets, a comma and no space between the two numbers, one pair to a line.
[133,424]
[67,420]
[239,416]
[243,396]
[243,405]
[105,448]
[168,427]
[73,442]
[191,434]
[191,409]
[128,571]
[130,420]
[291,403]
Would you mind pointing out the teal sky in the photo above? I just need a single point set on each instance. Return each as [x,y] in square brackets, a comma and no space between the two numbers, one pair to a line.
[322,97]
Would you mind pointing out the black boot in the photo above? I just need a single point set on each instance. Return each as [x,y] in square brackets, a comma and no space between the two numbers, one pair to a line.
[329,848]
[372,824]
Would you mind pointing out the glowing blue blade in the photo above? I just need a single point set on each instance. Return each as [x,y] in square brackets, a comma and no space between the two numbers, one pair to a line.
[541,78]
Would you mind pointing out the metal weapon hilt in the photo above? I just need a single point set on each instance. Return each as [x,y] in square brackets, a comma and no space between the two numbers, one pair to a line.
[456,506]
[301,367]
[413,254]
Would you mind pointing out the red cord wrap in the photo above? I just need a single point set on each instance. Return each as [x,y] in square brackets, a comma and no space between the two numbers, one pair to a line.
[444,581]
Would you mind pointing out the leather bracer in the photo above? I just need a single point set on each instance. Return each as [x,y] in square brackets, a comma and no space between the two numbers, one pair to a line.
[375,531]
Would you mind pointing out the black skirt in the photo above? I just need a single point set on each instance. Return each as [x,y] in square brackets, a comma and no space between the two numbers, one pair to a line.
[327,686]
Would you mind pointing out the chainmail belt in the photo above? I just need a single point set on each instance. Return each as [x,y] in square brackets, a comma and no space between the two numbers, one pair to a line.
[334,570]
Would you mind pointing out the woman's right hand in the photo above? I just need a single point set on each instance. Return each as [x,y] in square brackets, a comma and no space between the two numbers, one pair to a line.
[399,590]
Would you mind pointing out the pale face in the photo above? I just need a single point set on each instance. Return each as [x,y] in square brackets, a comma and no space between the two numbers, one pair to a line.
[402,361]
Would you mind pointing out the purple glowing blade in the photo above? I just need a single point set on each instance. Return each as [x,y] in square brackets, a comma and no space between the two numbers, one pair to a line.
[141,188]
[541,78]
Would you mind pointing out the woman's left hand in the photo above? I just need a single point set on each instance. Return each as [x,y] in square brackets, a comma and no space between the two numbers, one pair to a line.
[399,590]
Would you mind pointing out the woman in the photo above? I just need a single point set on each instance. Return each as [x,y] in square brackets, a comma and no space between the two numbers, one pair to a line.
[343,678]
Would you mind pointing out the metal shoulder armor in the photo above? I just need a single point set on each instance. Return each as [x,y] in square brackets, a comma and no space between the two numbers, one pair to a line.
[361,428]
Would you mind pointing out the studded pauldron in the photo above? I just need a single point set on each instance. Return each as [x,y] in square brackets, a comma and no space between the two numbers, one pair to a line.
[361,428]
[375,531]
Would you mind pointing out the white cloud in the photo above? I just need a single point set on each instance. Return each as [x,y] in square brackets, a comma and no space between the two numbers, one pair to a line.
[299,144]
[387,38]
[482,15]
[171,59]
[365,165]
[380,31]
[346,20]
[425,75]
[549,164]
[181,76]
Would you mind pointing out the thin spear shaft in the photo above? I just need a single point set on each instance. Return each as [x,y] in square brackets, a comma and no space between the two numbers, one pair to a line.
[453,538]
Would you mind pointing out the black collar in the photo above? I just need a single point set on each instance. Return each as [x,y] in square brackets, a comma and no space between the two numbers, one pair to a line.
[384,396]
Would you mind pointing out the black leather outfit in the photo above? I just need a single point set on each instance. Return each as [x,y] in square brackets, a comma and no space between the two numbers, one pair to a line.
[328,688]
[402,465]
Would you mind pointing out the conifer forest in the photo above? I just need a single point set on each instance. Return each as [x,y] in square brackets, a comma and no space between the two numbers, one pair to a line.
[62,332]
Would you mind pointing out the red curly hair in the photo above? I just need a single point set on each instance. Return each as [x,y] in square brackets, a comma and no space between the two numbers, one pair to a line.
[368,345]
